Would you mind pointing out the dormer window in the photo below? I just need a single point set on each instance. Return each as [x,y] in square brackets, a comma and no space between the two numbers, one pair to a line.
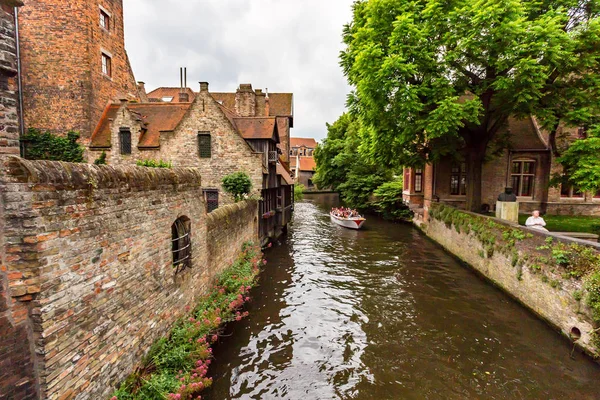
[125,140]
[104,20]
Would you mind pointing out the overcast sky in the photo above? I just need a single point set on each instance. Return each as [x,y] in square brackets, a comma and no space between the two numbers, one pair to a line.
[282,45]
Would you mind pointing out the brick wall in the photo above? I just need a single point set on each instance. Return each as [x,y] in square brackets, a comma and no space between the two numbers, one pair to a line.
[63,85]
[87,276]
[9,127]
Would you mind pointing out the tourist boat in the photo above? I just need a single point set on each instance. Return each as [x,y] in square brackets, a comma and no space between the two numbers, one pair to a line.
[351,223]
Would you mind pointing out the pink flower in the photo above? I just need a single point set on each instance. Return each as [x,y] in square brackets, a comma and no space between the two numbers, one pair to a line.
[221,291]
[114,398]
[270,244]
[187,308]
[215,338]
[264,262]
[247,298]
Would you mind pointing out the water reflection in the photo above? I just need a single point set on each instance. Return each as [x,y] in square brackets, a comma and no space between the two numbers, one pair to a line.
[384,313]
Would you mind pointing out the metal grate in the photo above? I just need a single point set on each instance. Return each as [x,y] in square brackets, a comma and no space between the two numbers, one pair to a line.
[212,199]
[204,145]
[125,140]
[273,156]
[181,244]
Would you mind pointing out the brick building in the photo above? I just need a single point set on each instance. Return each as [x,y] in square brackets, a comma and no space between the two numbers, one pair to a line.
[73,63]
[527,166]
[206,134]
[302,163]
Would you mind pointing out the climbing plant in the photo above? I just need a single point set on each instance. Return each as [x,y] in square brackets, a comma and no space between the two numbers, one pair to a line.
[48,146]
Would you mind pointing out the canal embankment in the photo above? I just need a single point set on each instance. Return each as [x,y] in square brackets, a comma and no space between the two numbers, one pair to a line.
[554,276]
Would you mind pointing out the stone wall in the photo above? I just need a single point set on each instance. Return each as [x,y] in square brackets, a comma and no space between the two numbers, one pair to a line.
[540,287]
[63,84]
[87,276]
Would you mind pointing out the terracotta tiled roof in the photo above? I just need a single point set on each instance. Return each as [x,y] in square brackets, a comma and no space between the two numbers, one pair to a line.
[307,164]
[257,127]
[158,94]
[306,142]
[155,117]
[280,104]
[284,174]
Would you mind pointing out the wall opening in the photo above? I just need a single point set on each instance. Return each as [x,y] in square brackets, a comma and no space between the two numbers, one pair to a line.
[575,334]
[181,244]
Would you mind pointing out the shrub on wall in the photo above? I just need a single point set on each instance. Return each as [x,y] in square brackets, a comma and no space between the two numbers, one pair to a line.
[101,160]
[298,192]
[388,201]
[237,184]
[48,146]
[153,163]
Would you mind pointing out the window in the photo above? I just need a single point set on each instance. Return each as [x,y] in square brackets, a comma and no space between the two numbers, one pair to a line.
[106,65]
[310,183]
[458,179]
[211,197]
[181,244]
[125,140]
[523,177]
[567,189]
[104,20]
[418,180]
[582,132]
[204,145]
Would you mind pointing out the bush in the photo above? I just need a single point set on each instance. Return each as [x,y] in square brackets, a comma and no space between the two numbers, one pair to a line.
[237,184]
[389,201]
[298,192]
[48,146]
[153,163]
[101,160]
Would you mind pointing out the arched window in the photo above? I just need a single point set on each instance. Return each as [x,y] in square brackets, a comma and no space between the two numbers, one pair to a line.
[523,177]
[181,244]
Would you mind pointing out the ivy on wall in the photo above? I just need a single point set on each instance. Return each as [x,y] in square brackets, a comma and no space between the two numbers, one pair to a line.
[40,145]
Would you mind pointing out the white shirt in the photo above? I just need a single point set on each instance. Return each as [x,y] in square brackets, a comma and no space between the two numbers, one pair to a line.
[535,222]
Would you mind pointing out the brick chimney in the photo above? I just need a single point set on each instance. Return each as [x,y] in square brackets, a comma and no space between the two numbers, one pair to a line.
[204,86]
[141,87]
[245,101]
[184,97]
[261,103]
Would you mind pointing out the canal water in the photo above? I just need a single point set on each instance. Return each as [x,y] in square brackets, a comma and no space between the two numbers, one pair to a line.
[384,313]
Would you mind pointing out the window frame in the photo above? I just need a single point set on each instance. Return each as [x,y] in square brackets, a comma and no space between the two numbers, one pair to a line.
[518,191]
[105,17]
[418,183]
[461,175]
[125,131]
[211,207]
[202,151]
[181,243]
[106,64]
[572,190]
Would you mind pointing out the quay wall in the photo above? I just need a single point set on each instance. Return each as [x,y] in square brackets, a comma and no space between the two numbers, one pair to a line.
[87,282]
[520,261]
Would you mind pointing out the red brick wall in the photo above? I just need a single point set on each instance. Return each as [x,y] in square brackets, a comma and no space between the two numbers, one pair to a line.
[63,84]
[87,280]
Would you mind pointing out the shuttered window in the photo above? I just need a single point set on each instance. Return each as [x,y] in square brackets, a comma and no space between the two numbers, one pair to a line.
[125,140]
[204,145]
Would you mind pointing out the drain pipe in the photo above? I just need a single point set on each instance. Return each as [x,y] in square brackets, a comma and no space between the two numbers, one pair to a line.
[19,81]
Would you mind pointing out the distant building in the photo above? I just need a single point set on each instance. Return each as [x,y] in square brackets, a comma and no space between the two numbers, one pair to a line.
[526,166]
[302,163]
[74,63]
[207,135]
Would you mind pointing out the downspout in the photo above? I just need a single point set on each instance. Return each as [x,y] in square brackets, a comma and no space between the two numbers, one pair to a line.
[19,82]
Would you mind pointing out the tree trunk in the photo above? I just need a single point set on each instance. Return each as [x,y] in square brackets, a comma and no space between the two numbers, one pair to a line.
[474,159]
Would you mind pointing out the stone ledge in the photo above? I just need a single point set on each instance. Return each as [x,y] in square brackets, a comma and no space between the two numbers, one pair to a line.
[73,176]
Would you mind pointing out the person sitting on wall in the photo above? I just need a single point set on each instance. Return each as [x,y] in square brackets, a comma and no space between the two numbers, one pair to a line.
[536,222]
[508,195]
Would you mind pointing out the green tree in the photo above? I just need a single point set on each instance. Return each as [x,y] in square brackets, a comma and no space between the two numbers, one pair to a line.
[581,162]
[341,165]
[441,77]
[237,184]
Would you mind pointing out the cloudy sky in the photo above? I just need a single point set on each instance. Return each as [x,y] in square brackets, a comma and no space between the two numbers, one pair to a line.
[282,45]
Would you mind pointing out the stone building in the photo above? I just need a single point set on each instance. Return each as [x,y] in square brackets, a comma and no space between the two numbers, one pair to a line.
[302,163]
[203,134]
[246,102]
[527,166]
[73,63]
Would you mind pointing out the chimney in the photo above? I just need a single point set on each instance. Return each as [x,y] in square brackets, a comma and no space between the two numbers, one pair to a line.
[261,103]
[204,86]
[245,101]
[184,97]
[141,86]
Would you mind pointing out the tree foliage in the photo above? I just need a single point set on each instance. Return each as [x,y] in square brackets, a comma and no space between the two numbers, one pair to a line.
[388,200]
[343,168]
[237,184]
[441,77]
[48,146]
[581,163]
